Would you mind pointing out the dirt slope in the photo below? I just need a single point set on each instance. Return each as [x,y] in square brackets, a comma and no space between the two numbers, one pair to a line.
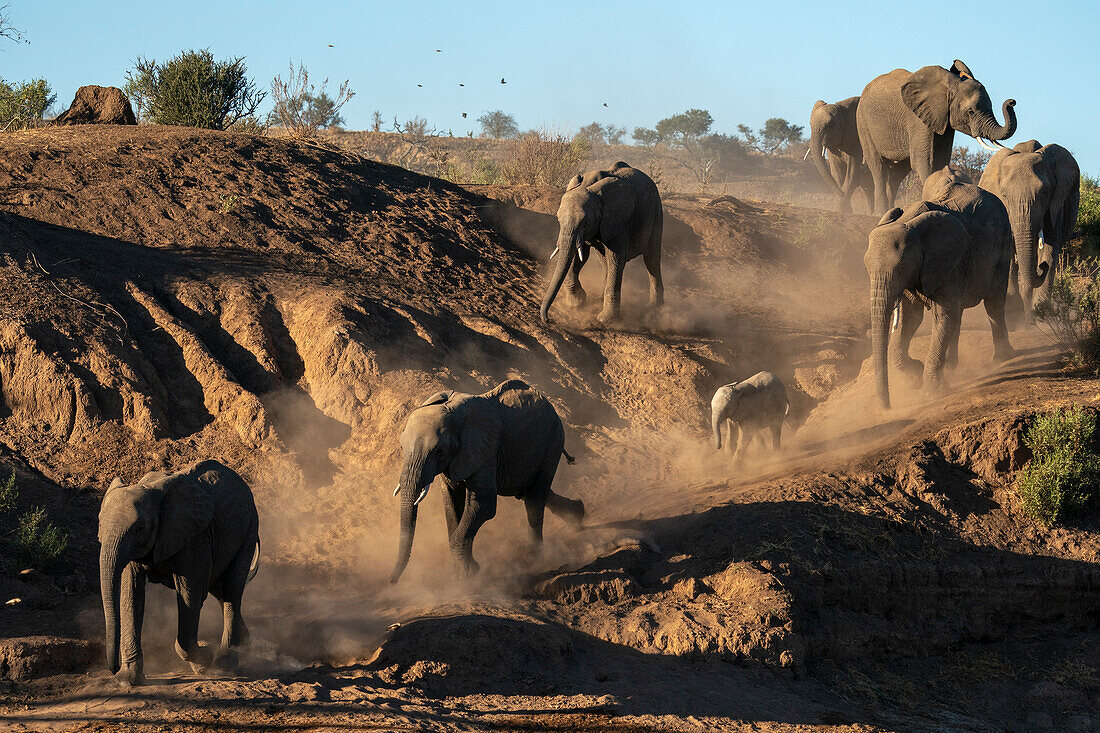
[173,294]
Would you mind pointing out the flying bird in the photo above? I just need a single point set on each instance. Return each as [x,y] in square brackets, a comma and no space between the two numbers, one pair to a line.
[463,115]
[420,85]
[502,80]
[461,84]
[439,50]
[331,46]
[605,104]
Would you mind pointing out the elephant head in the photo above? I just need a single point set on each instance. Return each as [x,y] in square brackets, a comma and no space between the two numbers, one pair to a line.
[150,522]
[1040,188]
[722,406]
[953,98]
[452,434]
[916,249]
[595,208]
[830,127]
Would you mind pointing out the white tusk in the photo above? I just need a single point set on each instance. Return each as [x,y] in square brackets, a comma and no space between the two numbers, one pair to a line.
[580,252]
[553,253]
[896,318]
[985,145]
[423,493]
[807,155]
[396,490]
[1041,242]
[998,144]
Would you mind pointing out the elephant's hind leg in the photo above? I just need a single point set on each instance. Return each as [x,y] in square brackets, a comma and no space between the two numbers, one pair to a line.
[190,595]
[570,510]
[652,259]
[234,631]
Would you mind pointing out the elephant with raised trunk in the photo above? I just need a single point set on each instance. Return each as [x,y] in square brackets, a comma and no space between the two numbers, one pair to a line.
[1040,186]
[759,403]
[907,121]
[833,132]
[196,532]
[617,213]
[506,442]
[947,254]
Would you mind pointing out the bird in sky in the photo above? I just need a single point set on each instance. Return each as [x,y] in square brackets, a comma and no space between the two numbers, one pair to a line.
[420,85]
[439,50]
[463,115]
[605,104]
[331,46]
[502,80]
[461,84]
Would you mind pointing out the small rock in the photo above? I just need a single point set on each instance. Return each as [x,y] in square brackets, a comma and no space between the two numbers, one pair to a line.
[98,105]
[690,588]
[1039,721]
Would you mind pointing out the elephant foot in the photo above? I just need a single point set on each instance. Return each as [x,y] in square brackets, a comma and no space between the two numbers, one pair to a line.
[228,659]
[131,676]
[199,659]
[576,514]
[471,568]
[910,368]
[576,298]
[608,317]
[1003,353]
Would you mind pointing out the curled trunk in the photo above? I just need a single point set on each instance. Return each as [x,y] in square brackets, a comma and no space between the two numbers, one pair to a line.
[111,565]
[568,243]
[882,305]
[988,128]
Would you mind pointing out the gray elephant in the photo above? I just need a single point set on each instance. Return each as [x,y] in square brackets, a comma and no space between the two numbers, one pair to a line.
[947,254]
[505,442]
[907,121]
[758,403]
[833,130]
[617,213]
[1041,188]
[196,532]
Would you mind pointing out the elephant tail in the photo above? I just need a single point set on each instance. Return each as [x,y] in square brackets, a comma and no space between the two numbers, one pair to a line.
[254,566]
[568,458]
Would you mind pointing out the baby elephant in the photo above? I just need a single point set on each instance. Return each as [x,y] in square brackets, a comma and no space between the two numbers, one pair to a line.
[757,403]
[196,532]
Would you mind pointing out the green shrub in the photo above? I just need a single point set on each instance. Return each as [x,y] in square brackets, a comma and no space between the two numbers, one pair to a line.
[24,104]
[9,493]
[193,90]
[1088,216]
[1063,476]
[1072,312]
[36,541]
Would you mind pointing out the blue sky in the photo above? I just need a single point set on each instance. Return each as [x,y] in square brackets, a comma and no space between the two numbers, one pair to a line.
[743,61]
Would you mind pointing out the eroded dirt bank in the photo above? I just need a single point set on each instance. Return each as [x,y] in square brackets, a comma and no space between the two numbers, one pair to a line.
[173,294]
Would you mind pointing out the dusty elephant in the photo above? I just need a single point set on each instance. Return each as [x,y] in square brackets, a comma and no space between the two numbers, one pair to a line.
[907,121]
[1041,188]
[833,131]
[505,442]
[758,403]
[950,253]
[196,532]
[617,213]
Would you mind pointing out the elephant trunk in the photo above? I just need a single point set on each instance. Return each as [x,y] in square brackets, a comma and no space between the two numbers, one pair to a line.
[817,151]
[1026,234]
[569,242]
[717,417]
[112,561]
[988,128]
[412,480]
[882,304]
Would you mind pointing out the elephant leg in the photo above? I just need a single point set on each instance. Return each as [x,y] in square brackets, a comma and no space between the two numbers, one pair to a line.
[777,437]
[747,437]
[454,498]
[731,437]
[945,330]
[131,670]
[652,259]
[895,175]
[995,309]
[911,315]
[614,262]
[570,510]
[234,631]
[1014,302]
[480,508]
[536,510]
[878,176]
[573,290]
[190,596]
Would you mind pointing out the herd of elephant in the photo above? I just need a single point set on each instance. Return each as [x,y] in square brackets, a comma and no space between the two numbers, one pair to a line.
[197,531]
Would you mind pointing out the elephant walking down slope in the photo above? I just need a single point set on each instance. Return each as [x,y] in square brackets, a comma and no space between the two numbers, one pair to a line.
[1040,186]
[617,213]
[505,442]
[196,532]
[951,252]
[833,129]
[907,121]
[758,403]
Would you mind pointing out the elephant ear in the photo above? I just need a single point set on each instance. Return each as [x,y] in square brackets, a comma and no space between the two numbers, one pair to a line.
[115,484]
[574,182]
[438,398]
[616,206]
[185,511]
[819,103]
[926,93]
[945,242]
[891,216]
[958,67]
[478,437]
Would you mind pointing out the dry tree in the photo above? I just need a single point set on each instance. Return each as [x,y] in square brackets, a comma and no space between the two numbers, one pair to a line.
[301,108]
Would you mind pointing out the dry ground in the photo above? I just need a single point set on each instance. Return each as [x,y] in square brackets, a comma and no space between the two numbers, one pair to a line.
[173,294]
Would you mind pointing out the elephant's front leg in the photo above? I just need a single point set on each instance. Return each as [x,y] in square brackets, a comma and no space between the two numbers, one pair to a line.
[948,320]
[614,262]
[732,435]
[910,316]
[481,506]
[573,290]
[190,595]
[131,670]
[998,323]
